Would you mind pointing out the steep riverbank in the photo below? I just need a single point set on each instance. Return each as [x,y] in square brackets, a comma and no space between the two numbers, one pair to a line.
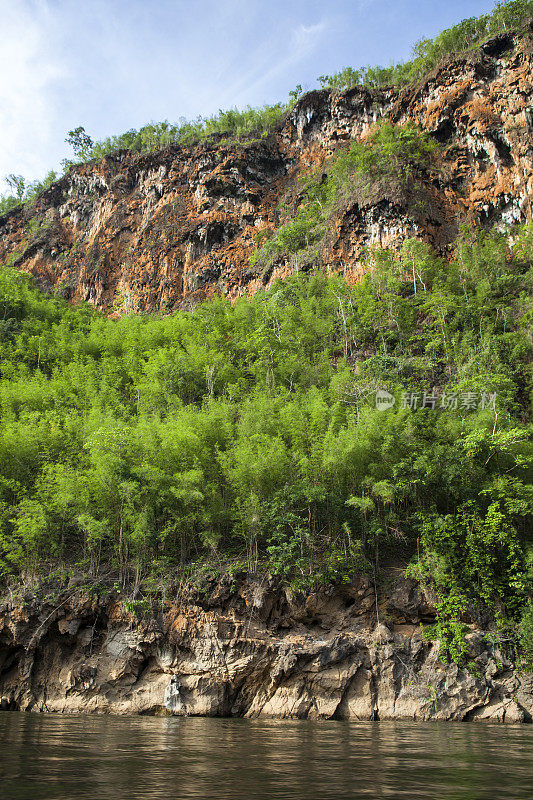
[245,648]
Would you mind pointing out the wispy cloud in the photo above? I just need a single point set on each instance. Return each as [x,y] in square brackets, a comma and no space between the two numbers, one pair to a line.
[306,37]
[300,44]
[28,66]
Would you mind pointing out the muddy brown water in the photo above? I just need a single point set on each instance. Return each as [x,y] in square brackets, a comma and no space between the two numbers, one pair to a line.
[52,757]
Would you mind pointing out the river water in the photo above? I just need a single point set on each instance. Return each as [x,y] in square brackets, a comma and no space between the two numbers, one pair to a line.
[49,757]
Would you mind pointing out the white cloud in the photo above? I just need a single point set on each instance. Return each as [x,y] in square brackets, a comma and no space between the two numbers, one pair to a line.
[28,68]
[306,37]
[303,41]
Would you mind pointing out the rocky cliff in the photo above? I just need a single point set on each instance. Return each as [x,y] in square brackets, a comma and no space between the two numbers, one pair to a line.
[242,647]
[163,230]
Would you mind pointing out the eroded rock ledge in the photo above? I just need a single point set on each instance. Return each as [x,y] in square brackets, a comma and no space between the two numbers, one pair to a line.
[245,648]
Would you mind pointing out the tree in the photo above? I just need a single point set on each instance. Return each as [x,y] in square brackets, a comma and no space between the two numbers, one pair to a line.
[295,93]
[7,203]
[17,184]
[80,141]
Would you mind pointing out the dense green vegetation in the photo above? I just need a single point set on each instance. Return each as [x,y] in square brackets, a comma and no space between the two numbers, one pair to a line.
[233,124]
[24,191]
[427,53]
[247,436]
[153,448]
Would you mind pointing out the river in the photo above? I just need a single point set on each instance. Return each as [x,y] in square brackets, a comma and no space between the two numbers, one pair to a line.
[49,757]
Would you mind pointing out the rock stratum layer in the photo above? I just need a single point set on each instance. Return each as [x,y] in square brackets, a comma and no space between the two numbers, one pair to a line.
[245,648]
[164,230]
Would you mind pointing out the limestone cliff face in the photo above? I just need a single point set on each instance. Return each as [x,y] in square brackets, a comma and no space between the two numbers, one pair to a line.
[245,648]
[163,230]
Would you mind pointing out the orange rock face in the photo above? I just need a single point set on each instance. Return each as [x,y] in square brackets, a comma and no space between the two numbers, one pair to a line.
[156,231]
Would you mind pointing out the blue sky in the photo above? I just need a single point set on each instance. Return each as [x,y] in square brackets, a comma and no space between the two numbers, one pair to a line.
[111,65]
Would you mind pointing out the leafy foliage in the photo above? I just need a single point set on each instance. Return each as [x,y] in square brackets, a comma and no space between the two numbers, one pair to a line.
[427,53]
[248,433]
[232,123]
[80,141]
[525,632]
[24,192]
[393,152]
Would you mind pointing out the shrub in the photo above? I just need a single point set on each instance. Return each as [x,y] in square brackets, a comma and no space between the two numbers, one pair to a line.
[427,53]
[391,151]
[525,631]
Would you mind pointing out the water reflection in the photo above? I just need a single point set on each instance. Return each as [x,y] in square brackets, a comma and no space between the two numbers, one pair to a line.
[71,757]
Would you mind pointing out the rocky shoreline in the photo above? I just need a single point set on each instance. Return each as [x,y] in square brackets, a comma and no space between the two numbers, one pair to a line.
[246,648]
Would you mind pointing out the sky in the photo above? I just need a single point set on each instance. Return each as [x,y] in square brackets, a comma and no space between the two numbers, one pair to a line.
[112,65]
